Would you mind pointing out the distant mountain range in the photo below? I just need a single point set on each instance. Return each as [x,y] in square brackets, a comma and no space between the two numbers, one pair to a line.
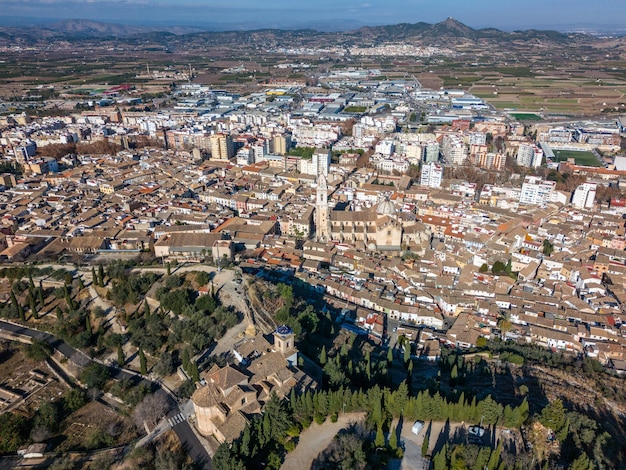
[448,31]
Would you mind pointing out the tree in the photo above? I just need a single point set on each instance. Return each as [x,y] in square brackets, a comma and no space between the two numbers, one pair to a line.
[142,362]
[379,441]
[75,399]
[169,268]
[14,431]
[582,463]
[33,306]
[95,375]
[120,356]
[88,325]
[101,275]
[483,268]
[553,416]
[93,276]
[323,356]
[166,365]
[548,247]
[38,350]
[498,268]
[150,410]
[426,443]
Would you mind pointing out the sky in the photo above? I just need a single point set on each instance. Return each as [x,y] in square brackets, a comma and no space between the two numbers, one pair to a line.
[336,14]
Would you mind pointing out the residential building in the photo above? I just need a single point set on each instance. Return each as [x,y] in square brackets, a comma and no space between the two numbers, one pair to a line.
[432,174]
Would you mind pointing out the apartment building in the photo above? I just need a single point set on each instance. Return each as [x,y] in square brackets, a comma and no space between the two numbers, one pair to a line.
[536,191]
[432,174]
[529,155]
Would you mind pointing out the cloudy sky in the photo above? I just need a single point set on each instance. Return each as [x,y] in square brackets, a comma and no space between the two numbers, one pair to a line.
[504,14]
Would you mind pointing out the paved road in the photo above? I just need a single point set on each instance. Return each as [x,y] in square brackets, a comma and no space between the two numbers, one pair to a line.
[183,430]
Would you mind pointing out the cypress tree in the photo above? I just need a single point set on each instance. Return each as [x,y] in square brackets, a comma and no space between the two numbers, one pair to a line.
[323,356]
[88,325]
[120,356]
[146,309]
[393,439]
[101,275]
[186,361]
[195,374]
[94,278]
[169,268]
[31,284]
[59,313]
[42,300]
[426,443]
[389,356]
[379,441]
[33,307]
[143,367]
[81,284]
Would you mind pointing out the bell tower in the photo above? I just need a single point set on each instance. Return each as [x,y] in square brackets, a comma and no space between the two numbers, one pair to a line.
[322,227]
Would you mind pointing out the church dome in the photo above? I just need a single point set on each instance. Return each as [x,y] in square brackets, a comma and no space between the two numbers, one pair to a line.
[386,207]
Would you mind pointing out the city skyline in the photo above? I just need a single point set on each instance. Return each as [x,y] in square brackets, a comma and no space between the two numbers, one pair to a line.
[606,15]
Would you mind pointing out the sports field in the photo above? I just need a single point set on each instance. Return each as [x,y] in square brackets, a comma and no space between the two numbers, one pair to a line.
[580,157]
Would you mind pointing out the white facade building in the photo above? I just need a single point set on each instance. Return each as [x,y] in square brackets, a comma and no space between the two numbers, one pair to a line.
[529,155]
[432,174]
[536,191]
[584,196]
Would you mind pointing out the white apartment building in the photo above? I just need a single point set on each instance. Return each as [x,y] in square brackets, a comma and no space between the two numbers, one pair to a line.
[584,196]
[432,174]
[529,155]
[318,164]
[536,191]
[454,149]
[476,138]
[385,147]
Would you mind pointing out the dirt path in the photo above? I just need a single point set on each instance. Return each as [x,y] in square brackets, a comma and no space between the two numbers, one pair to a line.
[315,439]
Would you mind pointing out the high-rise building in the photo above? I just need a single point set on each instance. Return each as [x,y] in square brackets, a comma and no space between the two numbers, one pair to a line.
[454,149]
[432,174]
[281,144]
[319,163]
[584,196]
[536,191]
[529,155]
[222,147]
[431,152]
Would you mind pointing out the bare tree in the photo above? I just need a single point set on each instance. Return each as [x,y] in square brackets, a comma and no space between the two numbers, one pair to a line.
[150,410]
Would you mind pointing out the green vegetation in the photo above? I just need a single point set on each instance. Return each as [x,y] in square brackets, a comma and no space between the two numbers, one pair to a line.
[355,109]
[304,152]
[266,438]
[526,116]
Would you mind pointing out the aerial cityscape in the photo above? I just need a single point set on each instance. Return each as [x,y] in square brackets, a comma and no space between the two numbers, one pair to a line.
[287,237]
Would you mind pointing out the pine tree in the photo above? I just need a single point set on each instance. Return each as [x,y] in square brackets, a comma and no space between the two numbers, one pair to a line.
[81,284]
[143,367]
[120,356]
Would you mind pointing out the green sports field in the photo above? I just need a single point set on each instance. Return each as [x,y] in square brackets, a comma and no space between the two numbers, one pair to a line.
[580,157]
